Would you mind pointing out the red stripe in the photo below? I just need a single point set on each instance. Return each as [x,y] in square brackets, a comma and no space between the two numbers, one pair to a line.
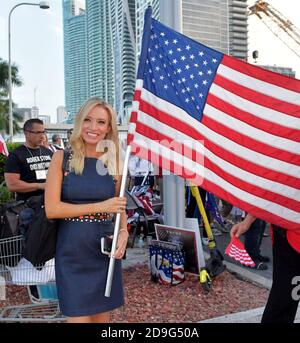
[262,74]
[137,95]
[223,194]
[249,142]
[218,150]
[252,120]
[258,98]
[232,179]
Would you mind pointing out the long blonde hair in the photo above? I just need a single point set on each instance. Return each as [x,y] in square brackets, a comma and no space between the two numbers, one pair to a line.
[77,143]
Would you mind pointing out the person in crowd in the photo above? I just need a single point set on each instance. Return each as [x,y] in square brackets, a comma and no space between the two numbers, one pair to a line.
[253,240]
[283,299]
[26,167]
[85,199]
[139,168]
[56,142]
[192,211]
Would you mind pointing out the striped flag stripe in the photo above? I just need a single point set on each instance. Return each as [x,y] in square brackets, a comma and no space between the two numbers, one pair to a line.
[272,127]
[182,161]
[258,186]
[258,98]
[265,81]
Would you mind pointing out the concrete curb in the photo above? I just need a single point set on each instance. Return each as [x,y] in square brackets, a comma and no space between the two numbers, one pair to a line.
[250,316]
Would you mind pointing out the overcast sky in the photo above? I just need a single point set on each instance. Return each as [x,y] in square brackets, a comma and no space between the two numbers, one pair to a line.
[37,48]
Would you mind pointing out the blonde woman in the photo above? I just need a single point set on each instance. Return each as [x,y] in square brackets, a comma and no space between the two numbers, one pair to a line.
[84,198]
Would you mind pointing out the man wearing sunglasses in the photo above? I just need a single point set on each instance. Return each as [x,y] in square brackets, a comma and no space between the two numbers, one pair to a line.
[26,167]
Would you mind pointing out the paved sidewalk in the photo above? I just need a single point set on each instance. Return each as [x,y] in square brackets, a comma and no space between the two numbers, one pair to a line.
[251,316]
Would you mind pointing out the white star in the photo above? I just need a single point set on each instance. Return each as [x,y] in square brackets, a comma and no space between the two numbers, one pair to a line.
[200,73]
[152,37]
[204,82]
[166,86]
[188,89]
[196,85]
[183,79]
[196,65]
[178,70]
[175,41]
[187,100]
[200,95]
[193,98]
[147,61]
[187,67]
[182,58]
[183,91]
[205,62]
[157,68]
[174,61]
[165,66]
[150,71]
[188,47]
[153,80]
[209,72]
[198,108]
[162,34]
[161,77]
[166,42]
[160,56]
[149,49]
[178,49]
[170,52]
[192,76]
[192,57]
[214,60]
[201,53]
[153,59]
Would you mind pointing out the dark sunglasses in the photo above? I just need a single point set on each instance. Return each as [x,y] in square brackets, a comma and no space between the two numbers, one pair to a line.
[37,132]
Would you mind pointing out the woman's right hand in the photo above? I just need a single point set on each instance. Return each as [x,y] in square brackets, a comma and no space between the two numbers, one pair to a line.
[113,205]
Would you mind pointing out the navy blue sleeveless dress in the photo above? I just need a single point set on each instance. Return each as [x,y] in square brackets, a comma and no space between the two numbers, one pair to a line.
[80,267]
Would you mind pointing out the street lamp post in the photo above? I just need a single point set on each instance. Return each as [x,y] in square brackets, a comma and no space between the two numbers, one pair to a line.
[42,5]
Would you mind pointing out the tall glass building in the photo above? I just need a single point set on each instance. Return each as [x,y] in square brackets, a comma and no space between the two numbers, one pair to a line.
[238,29]
[75,55]
[103,42]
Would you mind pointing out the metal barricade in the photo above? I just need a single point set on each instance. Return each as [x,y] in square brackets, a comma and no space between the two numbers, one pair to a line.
[39,280]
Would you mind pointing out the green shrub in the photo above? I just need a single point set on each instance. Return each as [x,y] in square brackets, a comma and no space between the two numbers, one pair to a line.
[5,194]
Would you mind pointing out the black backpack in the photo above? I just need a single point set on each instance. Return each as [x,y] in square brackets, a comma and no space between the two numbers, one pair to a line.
[40,239]
[11,243]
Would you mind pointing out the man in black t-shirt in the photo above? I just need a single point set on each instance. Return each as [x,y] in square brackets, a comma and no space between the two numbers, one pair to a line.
[26,167]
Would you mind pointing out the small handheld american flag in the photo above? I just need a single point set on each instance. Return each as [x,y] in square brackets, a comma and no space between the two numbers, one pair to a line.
[237,251]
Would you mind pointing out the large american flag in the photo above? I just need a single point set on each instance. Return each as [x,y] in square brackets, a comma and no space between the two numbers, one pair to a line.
[234,128]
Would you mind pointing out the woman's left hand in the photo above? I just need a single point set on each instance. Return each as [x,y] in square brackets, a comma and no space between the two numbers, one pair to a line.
[122,243]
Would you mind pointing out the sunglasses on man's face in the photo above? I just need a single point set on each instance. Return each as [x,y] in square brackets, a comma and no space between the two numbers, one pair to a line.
[37,132]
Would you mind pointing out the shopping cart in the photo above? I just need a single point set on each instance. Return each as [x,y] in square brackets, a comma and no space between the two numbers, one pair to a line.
[39,281]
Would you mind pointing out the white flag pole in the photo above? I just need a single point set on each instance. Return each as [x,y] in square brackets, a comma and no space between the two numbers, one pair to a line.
[111,266]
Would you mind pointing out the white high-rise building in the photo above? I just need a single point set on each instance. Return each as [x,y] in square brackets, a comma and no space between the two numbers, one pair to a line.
[61,114]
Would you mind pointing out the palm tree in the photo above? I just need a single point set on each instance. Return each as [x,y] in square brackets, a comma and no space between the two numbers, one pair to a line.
[4,120]
[4,76]
[4,104]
